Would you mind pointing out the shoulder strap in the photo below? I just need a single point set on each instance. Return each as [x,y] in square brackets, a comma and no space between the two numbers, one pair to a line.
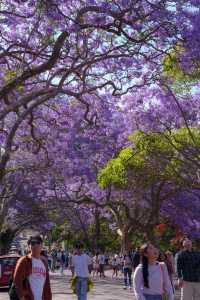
[162,272]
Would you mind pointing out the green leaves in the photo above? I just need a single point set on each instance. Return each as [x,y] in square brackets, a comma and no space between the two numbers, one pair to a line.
[171,66]
[174,72]
[113,173]
[153,157]
[10,75]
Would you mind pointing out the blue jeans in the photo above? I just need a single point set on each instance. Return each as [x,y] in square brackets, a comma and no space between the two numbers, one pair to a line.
[153,297]
[127,273]
[62,267]
[81,288]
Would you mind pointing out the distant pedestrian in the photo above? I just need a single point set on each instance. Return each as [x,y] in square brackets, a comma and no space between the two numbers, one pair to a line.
[54,259]
[62,261]
[106,258]
[115,267]
[101,262]
[95,265]
[136,258]
[127,268]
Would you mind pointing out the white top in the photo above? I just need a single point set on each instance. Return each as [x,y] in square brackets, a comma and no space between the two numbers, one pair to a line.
[118,260]
[127,262]
[101,259]
[114,262]
[80,264]
[37,278]
[158,278]
[94,259]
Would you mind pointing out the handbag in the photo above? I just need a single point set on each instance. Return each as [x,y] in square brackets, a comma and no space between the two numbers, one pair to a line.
[13,293]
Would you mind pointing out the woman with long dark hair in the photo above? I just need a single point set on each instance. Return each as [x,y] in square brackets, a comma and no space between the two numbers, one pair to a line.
[151,279]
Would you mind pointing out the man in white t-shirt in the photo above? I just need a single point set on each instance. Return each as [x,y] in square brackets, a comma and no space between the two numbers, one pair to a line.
[81,265]
[101,261]
[31,277]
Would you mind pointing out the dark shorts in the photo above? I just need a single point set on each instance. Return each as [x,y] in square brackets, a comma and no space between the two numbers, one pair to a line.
[101,268]
[153,297]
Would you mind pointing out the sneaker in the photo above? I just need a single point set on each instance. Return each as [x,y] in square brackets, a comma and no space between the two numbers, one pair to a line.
[125,287]
[130,287]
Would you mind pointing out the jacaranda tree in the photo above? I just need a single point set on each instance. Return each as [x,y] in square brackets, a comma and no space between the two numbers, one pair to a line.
[77,77]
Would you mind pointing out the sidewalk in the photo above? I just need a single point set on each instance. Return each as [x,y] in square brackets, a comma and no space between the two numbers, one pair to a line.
[104,289]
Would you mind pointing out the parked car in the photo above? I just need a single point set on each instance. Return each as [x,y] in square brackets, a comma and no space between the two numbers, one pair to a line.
[13,250]
[7,267]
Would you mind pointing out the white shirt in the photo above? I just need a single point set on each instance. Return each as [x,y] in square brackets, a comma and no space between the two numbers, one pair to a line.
[118,260]
[94,259]
[101,259]
[127,262]
[80,264]
[114,262]
[59,254]
[158,278]
[37,278]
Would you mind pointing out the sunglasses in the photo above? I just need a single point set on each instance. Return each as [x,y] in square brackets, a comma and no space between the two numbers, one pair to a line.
[33,243]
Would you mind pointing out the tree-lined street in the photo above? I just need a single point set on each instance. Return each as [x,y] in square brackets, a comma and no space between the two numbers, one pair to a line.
[106,289]
[100,132]
[82,89]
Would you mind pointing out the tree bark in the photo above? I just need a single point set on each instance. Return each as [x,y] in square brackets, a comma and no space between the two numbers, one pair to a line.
[125,238]
[97,231]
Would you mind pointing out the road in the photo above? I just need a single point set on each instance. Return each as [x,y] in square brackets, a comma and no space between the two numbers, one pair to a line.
[104,289]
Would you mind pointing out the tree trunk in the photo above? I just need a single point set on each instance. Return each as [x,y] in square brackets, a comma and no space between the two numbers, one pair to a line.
[125,239]
[150,235]
[97,231]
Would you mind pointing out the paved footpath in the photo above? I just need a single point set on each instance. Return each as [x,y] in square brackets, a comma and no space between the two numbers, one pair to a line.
[104,289]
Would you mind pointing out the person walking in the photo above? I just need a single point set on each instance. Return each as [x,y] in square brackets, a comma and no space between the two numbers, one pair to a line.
[114,267]
[95,265]
[58,260]
[127,268]
[54,259]
[81,266]
[136,258]
[66,259]
[151,279]
[31,276]
[101,262]
[62,261]
[120,262]
[188,271]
